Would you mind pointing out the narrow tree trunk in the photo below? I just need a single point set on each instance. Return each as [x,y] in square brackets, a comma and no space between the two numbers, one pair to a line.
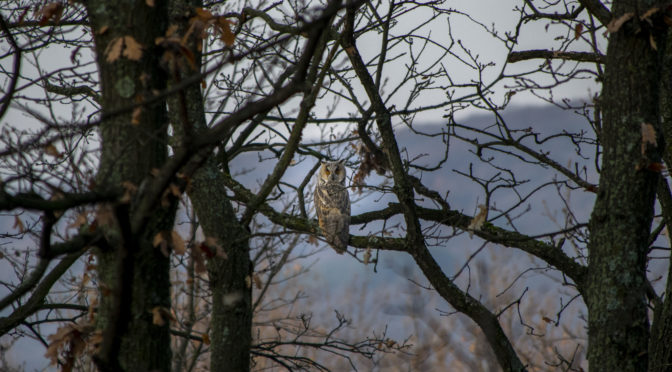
[618,326]
[134,276]
[231,317]
[660,347]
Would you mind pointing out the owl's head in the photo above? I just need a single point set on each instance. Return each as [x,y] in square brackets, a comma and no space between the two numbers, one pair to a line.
[332,171]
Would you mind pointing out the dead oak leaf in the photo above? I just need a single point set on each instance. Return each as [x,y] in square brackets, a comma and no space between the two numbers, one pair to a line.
[125,46]
[52,10]
[133,50]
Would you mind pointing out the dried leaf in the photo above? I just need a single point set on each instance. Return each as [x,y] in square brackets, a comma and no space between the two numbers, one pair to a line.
[206,338]
[157,316]
[51,150]
[478,220]
[652,42]
[312,239]
[199,261]
[577,31]
[52,10]
[547,319]
[67,343]
[135,117]
[648,136]
[129,190]
[79,221]
[103,29]
[18,224]
[649,13]
[113,49]
[215,249]
[204,14]
[133,49]
[225,28]
[177,243]
[123,46]
[248,281]
[161,241]
[257,280]
[149,3]
[616,24]
[160,314]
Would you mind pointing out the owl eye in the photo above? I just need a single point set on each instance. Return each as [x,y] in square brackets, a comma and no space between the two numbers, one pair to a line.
[327,171]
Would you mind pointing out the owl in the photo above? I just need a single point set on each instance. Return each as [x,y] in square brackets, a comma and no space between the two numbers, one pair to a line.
[332,204]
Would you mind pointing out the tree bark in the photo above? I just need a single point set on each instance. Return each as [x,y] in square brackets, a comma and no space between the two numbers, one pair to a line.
[134,275]
[231,318]
[660,349]
[619,226]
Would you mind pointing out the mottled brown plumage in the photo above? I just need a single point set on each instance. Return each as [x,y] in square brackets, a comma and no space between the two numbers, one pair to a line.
[332,204]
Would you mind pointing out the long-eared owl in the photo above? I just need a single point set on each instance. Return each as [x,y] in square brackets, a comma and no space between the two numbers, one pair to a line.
[332,204]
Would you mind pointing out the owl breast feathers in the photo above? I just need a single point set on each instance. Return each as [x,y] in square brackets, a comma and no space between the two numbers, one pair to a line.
[332,204]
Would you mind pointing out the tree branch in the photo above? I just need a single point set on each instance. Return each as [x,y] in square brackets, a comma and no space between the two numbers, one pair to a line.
[550,54]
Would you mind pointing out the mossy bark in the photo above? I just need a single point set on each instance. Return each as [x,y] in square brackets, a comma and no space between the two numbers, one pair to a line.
[130,150]
[618,326]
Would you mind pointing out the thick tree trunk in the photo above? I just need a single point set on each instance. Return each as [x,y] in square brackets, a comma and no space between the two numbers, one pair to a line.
[618,325]
[134,275]
[231,317]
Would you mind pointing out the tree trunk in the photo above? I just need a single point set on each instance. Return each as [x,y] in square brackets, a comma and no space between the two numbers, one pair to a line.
[134,275]
[660,348]
[621,220]
[231,318]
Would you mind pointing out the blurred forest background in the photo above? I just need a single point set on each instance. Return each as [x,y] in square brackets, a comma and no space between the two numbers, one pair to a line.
[507,171]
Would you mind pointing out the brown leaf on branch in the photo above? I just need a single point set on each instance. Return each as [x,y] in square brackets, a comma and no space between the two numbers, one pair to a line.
[51,150]
[257,280]
[577,31]
[177,243]
[197,257]
[52,10]
[205,19]
[67,343]
[167,240]
[18,224]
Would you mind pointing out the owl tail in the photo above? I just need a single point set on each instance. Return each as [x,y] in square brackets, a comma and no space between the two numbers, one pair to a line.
[339,242]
